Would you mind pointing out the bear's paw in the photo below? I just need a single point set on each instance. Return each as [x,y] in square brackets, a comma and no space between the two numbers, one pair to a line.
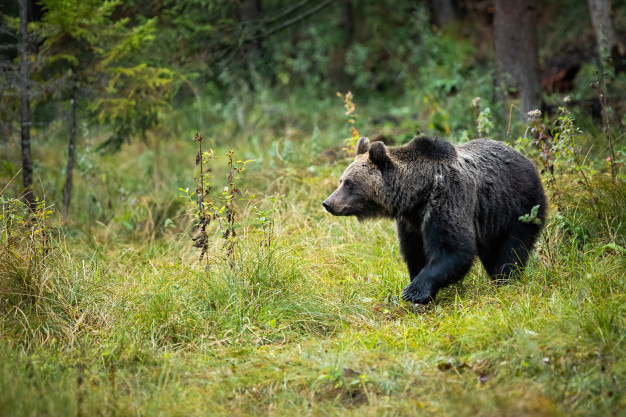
[414,294]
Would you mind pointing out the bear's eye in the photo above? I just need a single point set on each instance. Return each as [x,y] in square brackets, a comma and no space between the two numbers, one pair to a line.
[348,184]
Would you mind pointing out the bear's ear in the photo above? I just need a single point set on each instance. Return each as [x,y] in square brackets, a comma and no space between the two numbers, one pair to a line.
[378,155]
[362,145]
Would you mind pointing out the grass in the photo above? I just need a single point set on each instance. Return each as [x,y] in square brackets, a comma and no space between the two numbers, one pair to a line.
[311,326]
[119,318]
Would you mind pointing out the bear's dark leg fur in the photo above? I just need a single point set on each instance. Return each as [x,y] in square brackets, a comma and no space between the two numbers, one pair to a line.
[412,248]
[508,257]
[450,252]
[438,273]
[489,255]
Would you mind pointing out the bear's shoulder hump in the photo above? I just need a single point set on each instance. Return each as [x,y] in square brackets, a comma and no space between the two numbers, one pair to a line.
[431,147]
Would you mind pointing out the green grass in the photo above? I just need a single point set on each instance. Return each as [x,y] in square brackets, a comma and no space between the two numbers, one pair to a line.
[119,317]
[313,325]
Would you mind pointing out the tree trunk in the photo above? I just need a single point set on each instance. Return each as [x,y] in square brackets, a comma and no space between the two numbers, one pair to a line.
[27,166]
[347,19]
[249,10]
[601,19]
[515,39]
[71,149]
[156,172]
[249,13]
[444,12]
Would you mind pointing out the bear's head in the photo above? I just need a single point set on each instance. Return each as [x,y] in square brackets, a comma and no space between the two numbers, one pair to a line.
[361,187]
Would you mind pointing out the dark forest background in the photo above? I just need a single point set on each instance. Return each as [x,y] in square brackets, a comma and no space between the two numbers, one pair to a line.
[155,70]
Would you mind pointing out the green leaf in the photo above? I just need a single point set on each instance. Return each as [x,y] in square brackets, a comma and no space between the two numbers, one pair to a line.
[614,247]
[531,218]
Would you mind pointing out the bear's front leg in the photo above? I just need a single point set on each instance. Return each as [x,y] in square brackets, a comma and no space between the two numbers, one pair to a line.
[419,291]
[438,273]
[449,246]
[424,287]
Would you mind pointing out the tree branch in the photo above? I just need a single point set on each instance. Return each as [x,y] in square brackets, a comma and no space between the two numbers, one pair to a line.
[296,19]
[286,12]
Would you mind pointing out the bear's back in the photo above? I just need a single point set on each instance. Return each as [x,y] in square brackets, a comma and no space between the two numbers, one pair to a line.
[491,161]
[507,184]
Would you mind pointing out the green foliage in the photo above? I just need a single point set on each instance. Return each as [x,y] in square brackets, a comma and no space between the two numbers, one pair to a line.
[567,143]
[134,101]
[135,95]
[76,35]
[229,210]
[484,121]
[78,20]
[531,218]
[620,161]
[85,48]
[130,41]
[204,208]
[222,210]
[267,220]
[189,30]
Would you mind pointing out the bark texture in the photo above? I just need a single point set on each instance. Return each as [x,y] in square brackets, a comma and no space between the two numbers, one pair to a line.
[347,20]
[249,13]
[444,12]
[515,38]
[601,18]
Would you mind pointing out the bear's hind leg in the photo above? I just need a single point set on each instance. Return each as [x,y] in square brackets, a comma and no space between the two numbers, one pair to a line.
[510,257]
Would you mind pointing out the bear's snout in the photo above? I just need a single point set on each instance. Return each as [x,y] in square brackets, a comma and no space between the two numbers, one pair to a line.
[326,205]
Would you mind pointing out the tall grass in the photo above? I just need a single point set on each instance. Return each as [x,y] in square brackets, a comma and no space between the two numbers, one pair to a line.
[313,324]
[113,314]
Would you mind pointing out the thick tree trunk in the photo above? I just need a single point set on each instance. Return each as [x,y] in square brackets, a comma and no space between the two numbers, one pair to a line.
[603,26]
[347,19]
[444,12]
[27,166]
[249,10]
[249,13]
[515,38]
[71,150]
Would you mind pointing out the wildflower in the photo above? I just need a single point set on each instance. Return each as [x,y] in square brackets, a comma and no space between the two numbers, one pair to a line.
[534,115]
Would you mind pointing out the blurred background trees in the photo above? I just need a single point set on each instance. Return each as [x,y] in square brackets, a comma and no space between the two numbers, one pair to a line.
[516,48]
[152,70]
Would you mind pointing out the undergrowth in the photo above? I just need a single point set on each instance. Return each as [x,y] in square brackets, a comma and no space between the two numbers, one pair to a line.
[304,316]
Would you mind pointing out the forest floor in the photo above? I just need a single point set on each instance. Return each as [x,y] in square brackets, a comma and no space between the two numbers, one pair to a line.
[116,315]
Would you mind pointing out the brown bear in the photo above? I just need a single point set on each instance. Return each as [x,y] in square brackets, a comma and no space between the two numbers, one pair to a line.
[450,203]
